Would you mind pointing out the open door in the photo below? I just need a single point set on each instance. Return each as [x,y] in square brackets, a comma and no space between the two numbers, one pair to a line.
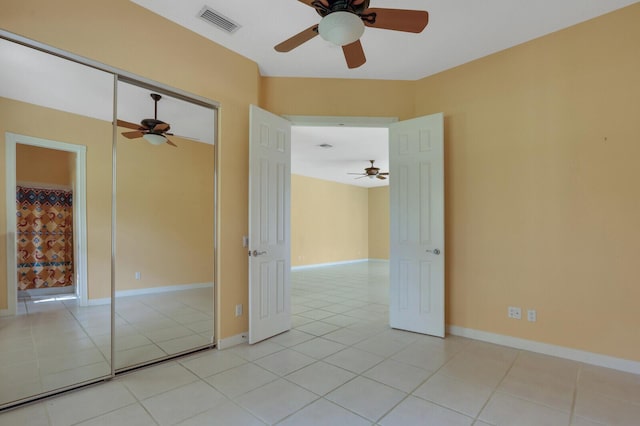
[416,198]
[269,236]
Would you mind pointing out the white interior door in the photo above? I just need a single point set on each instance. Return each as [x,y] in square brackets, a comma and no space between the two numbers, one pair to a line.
[416,195]
[269,236]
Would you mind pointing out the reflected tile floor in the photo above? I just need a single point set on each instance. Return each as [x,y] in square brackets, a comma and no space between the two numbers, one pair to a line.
[342,365]
[54,342]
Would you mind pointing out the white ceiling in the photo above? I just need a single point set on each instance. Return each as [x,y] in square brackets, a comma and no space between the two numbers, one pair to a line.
[459,31]
[352,148]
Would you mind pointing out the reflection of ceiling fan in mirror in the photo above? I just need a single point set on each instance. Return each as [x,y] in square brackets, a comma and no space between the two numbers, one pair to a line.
[343,23]
[371,172]
[152,130]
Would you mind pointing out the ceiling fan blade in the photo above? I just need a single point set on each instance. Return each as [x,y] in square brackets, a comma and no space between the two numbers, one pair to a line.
[381,177]
[171,143]
[298,39]
[411,21]
[384,173]
[126,124]
[359,174]
[161,127]
[354,54]
[133,135]
[307,2]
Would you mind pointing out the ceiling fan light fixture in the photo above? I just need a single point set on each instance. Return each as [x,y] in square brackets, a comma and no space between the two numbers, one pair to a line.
[341,28]
[154,139]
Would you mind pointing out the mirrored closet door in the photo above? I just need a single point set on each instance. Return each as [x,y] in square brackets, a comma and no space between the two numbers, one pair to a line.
[107,221]
[55,223]
[164,226]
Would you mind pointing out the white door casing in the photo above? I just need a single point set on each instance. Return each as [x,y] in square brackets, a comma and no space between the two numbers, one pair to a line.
[269,228]
[416,198]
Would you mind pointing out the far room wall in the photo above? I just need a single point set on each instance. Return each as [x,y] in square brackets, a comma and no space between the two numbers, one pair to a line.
[334,222]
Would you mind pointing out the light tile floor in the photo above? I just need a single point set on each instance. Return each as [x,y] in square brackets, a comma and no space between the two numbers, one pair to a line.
[342,365]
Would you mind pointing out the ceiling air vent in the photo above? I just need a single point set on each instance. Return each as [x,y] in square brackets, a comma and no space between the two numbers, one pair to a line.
[218,20]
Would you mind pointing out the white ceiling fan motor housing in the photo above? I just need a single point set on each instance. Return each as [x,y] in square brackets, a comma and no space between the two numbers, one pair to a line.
[341,28]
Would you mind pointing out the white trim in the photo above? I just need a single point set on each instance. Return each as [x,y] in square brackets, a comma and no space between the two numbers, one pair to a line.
[149,290]
[320,265]
[229,342]
[12,259]
[548,349]
[79,213]
[332,121]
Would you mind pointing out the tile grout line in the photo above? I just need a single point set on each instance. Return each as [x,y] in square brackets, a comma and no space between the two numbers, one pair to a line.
[575,394]
[495,389]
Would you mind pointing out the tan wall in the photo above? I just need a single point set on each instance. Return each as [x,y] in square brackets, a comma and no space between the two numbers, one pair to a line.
[379,222]
[542,194]
[329,221]
[333,97]
[43,165]
[124,35]
[164,218]
[26,119]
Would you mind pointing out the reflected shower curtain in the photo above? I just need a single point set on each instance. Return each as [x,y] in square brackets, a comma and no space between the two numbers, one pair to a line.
[44,238]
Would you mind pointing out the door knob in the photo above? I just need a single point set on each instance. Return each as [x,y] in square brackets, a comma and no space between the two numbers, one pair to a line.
[434,251]
[257,253]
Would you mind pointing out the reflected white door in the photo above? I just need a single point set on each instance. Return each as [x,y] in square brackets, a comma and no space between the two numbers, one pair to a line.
[269,237]
[416,195]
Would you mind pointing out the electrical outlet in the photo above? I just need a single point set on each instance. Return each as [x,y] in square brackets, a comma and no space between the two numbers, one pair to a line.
[239,309]
[138,275]
[532,316]
[514,312]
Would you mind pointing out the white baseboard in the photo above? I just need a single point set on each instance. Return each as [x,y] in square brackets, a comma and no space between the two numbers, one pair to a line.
[320,265]
[150,290]
[229,342]
[548,349]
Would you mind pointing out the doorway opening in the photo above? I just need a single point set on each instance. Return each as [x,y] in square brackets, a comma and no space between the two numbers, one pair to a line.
[340,220]
[46,220]
[44,232]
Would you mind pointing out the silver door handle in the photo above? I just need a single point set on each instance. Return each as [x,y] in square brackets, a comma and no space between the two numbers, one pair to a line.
[257,253]
[434,251]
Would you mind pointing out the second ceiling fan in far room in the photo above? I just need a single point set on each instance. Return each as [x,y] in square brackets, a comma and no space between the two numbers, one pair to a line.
[372,172]
[343,23]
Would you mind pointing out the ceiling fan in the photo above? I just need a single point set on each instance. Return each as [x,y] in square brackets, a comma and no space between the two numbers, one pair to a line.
[371,172]
[152,130]
[343,23]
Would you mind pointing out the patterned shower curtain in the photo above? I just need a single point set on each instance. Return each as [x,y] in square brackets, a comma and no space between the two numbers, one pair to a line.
[45,238]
